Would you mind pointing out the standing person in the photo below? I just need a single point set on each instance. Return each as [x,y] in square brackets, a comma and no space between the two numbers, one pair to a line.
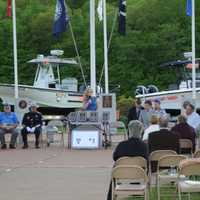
[193,119]
[134,111]
[184,130]
[89,101]
[32,122]
[134,146]
[8,124]
[157,108]
[146,113]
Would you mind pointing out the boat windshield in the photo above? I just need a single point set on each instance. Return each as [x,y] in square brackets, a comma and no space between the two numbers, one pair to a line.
[188,71]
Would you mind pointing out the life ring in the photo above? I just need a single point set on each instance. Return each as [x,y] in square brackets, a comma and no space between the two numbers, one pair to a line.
[22,104]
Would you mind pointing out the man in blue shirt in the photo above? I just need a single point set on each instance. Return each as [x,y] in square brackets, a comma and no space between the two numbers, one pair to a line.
[8,124]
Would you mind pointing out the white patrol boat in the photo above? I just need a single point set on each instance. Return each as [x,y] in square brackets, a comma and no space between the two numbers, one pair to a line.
[48,90]
[172,99]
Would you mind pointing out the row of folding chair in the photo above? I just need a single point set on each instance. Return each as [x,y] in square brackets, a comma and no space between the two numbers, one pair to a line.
[168,174]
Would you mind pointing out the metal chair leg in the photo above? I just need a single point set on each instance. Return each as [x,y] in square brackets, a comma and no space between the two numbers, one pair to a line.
[179,193]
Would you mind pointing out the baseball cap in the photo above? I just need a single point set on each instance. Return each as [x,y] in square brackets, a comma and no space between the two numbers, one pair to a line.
[157,101]
[33,104]
[6,105]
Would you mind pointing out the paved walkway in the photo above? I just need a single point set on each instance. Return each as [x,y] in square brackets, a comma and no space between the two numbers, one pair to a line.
[54,174]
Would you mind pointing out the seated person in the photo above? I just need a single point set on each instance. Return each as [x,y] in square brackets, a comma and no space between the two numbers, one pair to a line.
[8,124]
[134,146]
[32,122]
[152,128]
[184,130]
[163,139]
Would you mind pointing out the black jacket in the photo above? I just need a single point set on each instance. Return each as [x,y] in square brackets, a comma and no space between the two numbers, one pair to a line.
[32,119]
[131,147]
[132,114]
[163,140]
[185,131]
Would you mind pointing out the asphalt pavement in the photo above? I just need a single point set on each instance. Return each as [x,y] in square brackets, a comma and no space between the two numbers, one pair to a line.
[54,173]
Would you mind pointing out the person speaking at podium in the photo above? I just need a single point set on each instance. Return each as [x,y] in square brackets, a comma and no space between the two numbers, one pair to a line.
[89,101]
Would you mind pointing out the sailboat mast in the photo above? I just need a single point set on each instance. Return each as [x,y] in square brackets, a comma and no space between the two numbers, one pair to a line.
[15,49]
[92,47]
[105,47]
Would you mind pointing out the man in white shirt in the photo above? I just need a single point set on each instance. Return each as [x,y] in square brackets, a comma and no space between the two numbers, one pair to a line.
[193,118]
[152,128]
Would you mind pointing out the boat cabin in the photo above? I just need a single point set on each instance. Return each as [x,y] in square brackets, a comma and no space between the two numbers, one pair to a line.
[184,74]
[48,73]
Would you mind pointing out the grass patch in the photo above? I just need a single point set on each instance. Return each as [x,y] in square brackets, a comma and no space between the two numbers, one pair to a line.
[170,195]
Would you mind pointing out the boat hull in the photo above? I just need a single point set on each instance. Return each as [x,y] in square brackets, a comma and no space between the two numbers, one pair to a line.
[173,100]
[42,96]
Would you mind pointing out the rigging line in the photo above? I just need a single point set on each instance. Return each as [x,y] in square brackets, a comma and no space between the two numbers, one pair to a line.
[109,42]
[77,52]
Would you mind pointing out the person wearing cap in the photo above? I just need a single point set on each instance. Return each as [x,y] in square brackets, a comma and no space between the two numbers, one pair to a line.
[32,122]
[157,109]
[146,113]
[8,124]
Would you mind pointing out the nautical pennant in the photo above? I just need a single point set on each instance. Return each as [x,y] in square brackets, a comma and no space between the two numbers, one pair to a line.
[9,8]
[189,8]
[100,10]
[61,18]
[122,17]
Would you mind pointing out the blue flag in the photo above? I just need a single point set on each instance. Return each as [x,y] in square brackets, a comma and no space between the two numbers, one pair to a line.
[189,8]
[122,17]
[61,18]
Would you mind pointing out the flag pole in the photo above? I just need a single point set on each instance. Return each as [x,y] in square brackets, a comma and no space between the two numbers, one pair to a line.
[15,49]
[105,47]
[92,48]
[193,54]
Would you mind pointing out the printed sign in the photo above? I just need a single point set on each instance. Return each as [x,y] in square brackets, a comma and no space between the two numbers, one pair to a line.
[85,139]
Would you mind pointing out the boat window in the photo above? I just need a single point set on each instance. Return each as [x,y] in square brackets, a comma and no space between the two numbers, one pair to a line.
[52,85]
[188,71]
